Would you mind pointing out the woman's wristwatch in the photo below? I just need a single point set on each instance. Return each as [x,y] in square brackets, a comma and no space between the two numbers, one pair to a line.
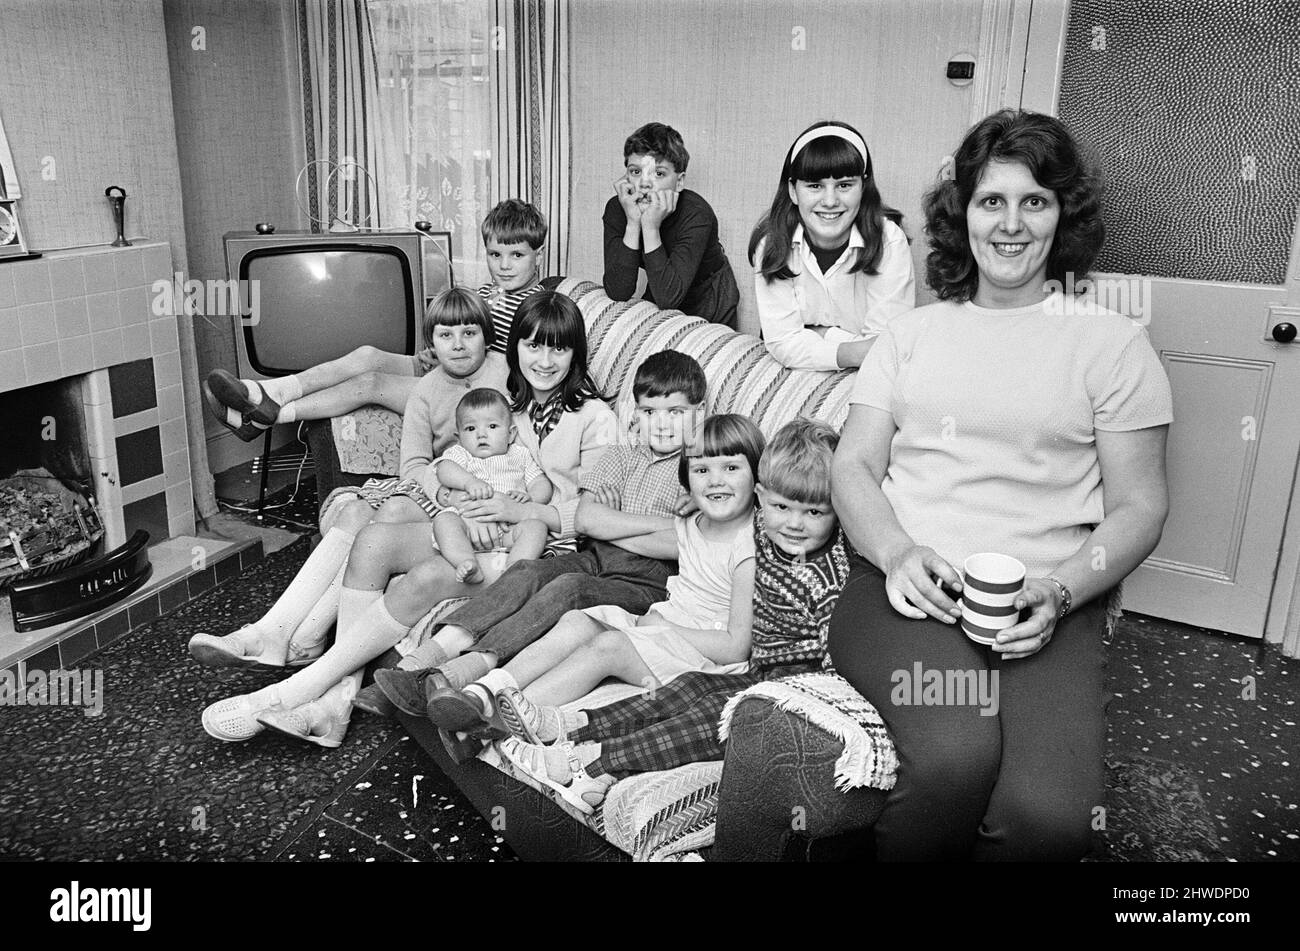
[1066,599]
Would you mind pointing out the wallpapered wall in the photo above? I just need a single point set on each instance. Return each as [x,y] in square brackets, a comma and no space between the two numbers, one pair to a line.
[238,133]
[728,75]
[85,99]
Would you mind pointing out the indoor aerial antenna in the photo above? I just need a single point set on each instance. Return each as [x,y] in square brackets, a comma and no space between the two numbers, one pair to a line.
[346,221]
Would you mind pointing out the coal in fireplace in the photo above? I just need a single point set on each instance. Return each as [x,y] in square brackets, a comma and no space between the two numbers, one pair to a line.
[50,525]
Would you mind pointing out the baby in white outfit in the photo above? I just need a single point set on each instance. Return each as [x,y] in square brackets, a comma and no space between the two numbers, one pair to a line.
[486,462]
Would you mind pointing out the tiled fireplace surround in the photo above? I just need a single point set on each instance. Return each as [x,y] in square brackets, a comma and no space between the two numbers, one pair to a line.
[88,313]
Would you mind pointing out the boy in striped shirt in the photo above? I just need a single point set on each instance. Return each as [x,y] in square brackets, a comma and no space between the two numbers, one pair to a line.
[487,461]
[514,239]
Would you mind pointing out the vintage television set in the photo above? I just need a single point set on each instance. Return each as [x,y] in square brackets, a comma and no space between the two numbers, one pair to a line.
[306,298]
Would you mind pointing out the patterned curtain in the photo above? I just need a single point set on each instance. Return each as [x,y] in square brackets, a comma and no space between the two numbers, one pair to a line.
[434,119]
[530,96]
[339,86]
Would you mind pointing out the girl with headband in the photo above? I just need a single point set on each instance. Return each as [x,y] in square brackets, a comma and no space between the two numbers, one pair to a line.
[831,264]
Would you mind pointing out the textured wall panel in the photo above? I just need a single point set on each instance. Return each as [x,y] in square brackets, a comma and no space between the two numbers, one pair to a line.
[238,136]
[87,104]
[1194,106]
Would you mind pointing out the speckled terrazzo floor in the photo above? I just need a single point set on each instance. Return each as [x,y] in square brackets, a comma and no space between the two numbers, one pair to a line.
[1196,770]
[1182,696]
[143,781]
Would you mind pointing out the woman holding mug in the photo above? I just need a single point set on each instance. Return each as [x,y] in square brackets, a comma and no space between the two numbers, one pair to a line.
[1009,418]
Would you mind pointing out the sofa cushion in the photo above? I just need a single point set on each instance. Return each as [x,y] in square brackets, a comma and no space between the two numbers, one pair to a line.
[742,377]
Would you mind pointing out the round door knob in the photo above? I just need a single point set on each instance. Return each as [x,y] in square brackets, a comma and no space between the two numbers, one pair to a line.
[1284,332]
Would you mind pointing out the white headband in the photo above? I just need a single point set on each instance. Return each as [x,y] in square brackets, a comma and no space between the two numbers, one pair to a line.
[838,132]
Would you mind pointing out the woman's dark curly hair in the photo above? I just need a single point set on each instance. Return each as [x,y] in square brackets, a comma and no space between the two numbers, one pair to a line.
[1043,145]
[825,157]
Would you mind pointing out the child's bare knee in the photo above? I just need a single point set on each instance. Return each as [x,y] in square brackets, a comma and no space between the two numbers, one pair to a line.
[396,508]
[354,516]
[372,537]
[608,643]
[425,576]
[575,619]
[448,524]
[368,356]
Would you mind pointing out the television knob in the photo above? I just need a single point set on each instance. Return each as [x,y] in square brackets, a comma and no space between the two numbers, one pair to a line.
[425,226]
[263,228]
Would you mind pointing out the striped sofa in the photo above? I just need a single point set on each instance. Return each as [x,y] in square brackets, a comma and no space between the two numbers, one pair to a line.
[742,377]
[620,335]
[774,758]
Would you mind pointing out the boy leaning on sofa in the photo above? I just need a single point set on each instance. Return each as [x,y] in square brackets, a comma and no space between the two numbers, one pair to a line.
[632,506]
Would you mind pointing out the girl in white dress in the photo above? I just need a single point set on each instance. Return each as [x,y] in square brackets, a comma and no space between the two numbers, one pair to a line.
[705,623]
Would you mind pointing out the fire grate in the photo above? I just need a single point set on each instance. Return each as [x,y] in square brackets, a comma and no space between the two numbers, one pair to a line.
[82,590]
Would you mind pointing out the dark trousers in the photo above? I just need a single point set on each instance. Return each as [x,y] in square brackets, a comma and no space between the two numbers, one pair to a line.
[665,728]
[531,596]
[1021,785]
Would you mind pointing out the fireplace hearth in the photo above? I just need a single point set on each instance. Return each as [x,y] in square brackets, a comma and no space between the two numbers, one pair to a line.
[85,589]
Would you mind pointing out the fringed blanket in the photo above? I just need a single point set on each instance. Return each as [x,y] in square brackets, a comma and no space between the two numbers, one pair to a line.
[829,702]
[669,815]
[666,815]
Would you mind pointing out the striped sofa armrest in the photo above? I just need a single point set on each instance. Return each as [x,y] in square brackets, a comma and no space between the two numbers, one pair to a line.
[742,377]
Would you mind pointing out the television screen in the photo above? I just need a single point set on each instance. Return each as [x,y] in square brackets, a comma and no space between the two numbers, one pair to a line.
[316,305]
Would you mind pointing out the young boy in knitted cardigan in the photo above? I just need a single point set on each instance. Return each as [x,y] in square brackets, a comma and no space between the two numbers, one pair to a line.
[801,567]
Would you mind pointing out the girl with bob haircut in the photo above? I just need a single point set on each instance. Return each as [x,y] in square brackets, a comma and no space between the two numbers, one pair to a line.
[703,627]
[1062,418]
[550,319]
[831,262]
[458,332]
[561,420]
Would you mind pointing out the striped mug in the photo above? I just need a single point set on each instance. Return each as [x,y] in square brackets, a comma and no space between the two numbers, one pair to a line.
[990,585]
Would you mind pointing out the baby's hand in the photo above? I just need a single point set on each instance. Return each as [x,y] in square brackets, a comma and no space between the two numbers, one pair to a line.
[518,496]
[478,489]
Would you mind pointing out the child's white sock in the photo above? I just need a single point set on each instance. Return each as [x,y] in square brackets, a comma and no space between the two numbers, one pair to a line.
[315,627]
[557,760]
[307,587]
[428,654]
[465,669]
[353,603]
[486,687]
[372,632]
[288,412]
[282,389]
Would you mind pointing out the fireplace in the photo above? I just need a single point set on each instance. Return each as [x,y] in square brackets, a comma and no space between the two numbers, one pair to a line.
[48,516]
[90,391]
[78,331]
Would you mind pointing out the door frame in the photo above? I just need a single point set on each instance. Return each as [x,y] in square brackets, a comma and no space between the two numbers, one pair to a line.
[1044,59]
[1283,623]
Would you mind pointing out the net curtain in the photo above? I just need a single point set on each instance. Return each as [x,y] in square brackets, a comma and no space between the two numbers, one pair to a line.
[530,94]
